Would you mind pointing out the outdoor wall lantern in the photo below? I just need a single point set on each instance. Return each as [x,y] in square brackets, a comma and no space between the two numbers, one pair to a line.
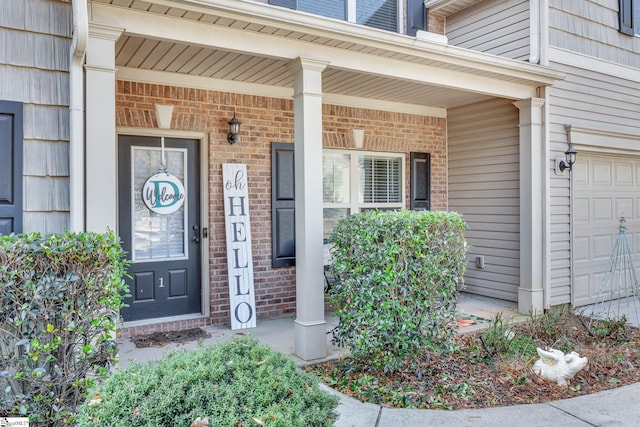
[234,129]
[570,157]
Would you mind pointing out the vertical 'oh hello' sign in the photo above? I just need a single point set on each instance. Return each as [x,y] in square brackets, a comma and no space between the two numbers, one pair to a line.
[239,258]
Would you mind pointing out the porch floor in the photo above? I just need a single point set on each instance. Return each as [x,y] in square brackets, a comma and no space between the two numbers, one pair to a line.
[279,333]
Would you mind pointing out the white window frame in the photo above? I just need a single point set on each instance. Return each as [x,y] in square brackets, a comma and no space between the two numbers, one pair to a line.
[354,204]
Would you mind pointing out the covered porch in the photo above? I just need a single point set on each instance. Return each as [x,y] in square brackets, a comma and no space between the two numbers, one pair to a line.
[295,78]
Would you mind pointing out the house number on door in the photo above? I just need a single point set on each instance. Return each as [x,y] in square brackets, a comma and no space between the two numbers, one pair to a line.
[161,282]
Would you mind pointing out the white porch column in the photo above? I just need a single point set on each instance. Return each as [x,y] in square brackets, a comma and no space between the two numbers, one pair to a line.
[532,203]
[310,326]
[100,75]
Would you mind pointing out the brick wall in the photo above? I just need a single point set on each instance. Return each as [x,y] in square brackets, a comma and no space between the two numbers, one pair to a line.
[436,23]
[265,120]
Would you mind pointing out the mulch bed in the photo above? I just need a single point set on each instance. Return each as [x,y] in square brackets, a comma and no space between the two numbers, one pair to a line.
[160,339]
[476,376]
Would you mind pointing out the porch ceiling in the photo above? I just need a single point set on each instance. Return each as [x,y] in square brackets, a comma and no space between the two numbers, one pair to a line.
[169,57]
[247,42]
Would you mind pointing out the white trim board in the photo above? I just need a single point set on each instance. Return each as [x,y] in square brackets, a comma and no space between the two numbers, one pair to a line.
[578,60]
[601,141]
[207,83]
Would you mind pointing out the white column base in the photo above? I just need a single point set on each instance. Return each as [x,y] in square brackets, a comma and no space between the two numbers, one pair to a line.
[311,340]
[530,301]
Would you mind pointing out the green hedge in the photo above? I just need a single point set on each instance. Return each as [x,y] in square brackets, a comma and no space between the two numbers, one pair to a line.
[60,296]
[239,383]
[398,275]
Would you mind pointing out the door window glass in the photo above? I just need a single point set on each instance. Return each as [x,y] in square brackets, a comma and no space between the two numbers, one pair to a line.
[157,236]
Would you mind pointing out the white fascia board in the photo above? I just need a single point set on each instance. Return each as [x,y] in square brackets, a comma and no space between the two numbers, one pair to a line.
[207,83]
[585,62]
[195,33]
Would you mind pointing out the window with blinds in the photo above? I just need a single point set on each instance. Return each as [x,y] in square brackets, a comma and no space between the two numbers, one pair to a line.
[358,181]
[381,14]
[380,179]
[329,8]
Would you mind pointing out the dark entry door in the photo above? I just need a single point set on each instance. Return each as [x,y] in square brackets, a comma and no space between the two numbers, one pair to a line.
[161,239]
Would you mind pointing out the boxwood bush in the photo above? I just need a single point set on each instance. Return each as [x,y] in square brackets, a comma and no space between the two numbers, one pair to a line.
[238,383]
[398,282]
[60,295]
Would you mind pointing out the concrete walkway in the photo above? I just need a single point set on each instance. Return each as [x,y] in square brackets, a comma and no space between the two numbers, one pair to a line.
[618,407]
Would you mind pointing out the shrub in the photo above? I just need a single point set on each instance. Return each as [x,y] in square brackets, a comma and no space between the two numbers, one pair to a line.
[398,274]
[239,383]
[59,300]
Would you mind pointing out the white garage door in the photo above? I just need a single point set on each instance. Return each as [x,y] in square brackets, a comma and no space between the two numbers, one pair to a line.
[605,188]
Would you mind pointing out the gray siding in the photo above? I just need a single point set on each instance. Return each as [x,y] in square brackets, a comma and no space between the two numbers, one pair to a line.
[591,28]
[493,26]
[484,186]
[590,100]
[35,38]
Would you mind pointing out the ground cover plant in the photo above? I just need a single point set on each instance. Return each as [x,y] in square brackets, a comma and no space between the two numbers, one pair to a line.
[398,274]
[239,383]
[60,295]
[494,367]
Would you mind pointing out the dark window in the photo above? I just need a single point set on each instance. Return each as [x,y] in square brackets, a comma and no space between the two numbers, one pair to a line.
[10,167]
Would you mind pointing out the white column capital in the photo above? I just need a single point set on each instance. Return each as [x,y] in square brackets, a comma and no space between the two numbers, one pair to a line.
[524,104]
[307,77]
[306,64]
[105,32]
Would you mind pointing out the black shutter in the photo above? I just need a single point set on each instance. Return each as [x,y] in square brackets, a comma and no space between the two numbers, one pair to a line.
[625,16]
[416,16]
[420,181]
[283,225]
[291,4]
[10,167]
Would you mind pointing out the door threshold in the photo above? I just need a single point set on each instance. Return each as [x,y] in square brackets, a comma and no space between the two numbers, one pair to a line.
[170,319]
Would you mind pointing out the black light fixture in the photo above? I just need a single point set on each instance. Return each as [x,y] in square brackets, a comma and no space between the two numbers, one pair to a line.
[234,129]
[570,156]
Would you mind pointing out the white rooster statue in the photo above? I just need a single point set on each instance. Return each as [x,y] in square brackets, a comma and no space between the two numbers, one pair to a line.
[556,366]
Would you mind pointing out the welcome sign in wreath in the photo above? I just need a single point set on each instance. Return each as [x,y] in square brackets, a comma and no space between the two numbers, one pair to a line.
[163,193]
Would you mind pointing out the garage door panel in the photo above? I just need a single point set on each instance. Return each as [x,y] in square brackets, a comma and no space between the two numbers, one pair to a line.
[602,247]
[582,252]
[624,174]
[580,210]
[600,173]
[581,287]
[624,208]
[605,188]
[601,209]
